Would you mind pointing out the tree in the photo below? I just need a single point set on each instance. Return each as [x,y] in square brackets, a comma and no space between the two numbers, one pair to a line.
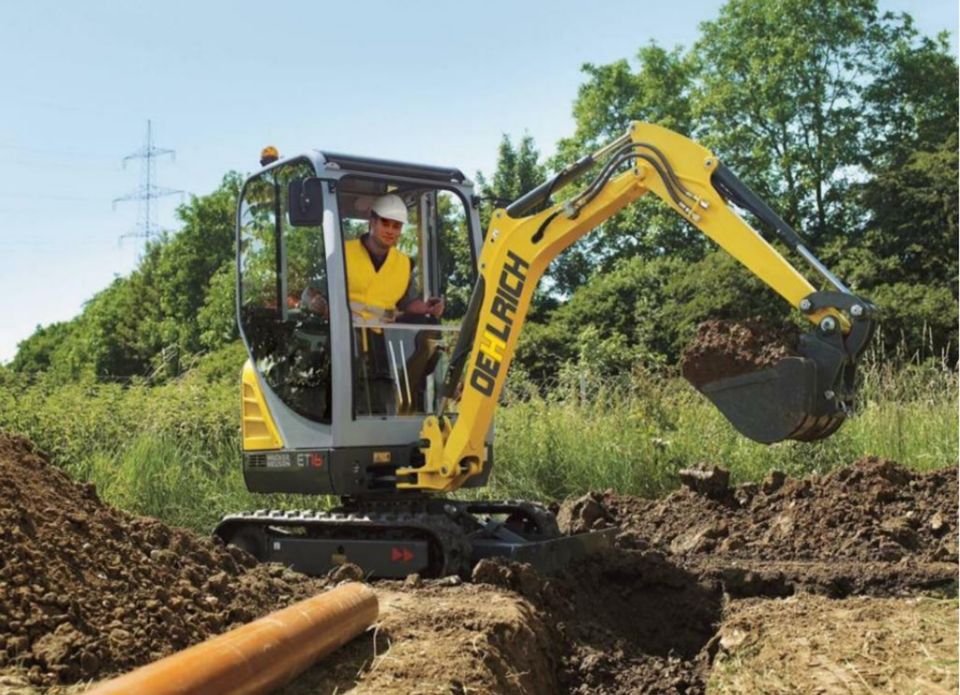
[216,319]
[518,170]
[613,95]
[457,272]
[38,352]
[911,197]
[913,218]
[781,100]
[189,259]
[905,255]
[912,104]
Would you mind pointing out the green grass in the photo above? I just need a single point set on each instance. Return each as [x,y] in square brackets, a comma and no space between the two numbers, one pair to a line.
[635,434]
[173,451]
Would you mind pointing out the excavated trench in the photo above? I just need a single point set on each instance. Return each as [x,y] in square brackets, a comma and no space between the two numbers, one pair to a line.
[628,621]
[88,591]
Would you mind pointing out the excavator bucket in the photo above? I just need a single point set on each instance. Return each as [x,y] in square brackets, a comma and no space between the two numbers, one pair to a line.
[786,401]
[804,395]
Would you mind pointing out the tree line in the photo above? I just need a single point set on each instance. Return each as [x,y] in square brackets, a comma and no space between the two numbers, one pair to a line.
[843,118]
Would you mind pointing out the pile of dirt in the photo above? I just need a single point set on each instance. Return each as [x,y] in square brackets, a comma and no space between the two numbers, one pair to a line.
[444,636]
[723,349]
[846,527]
[88,591]
[871,510]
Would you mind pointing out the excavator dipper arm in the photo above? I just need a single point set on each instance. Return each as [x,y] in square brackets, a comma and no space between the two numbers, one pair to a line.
[806,399]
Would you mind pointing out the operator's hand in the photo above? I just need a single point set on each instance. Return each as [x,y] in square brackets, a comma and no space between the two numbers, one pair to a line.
[435,307]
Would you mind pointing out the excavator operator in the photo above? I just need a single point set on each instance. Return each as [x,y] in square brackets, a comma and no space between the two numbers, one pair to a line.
[380,276]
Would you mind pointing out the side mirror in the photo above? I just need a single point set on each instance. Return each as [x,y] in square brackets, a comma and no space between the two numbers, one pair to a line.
[305,202]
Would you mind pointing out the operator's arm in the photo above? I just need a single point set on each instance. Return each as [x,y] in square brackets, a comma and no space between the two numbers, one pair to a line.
[411,303]
[519,246]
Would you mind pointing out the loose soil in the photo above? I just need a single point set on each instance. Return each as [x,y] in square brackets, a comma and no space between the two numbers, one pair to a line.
[871,510]
[87,591]
[723,349]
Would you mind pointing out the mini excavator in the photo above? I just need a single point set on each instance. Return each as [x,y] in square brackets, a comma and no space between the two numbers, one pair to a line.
[392,412]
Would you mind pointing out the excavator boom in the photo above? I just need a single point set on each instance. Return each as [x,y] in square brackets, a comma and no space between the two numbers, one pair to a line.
[804,398]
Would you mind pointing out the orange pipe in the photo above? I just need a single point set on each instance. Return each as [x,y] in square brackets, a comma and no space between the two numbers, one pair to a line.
[259,656]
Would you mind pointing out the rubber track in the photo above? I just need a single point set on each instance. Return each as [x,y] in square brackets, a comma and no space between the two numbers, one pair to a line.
[452,553]
[451,549]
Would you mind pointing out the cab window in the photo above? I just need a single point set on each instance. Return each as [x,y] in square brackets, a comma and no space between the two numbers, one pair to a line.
[283,292]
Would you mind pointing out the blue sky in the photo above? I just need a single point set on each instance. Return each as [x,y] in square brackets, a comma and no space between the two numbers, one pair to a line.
[423,81]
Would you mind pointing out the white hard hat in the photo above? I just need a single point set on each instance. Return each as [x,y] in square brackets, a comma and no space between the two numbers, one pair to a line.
[390,207]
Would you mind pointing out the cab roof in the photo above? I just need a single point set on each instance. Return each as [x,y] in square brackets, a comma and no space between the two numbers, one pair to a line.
[388,167]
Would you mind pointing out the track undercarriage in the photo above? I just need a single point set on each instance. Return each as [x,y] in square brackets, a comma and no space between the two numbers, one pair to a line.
[433,537]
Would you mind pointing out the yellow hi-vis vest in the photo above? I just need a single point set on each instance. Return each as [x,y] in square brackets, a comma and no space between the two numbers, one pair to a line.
[380,289]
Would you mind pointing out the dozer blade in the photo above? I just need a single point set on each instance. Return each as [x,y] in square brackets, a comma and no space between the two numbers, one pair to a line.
[802,398]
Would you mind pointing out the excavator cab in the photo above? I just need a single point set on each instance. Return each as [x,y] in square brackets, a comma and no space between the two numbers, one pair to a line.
[341,381]
[399,357]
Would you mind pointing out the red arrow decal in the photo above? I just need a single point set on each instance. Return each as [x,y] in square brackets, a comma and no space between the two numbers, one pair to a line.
[401,555]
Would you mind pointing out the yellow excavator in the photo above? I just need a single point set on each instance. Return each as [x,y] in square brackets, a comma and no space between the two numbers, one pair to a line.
[391,411]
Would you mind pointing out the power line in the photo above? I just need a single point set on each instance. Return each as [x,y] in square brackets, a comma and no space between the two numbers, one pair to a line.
[148,190]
